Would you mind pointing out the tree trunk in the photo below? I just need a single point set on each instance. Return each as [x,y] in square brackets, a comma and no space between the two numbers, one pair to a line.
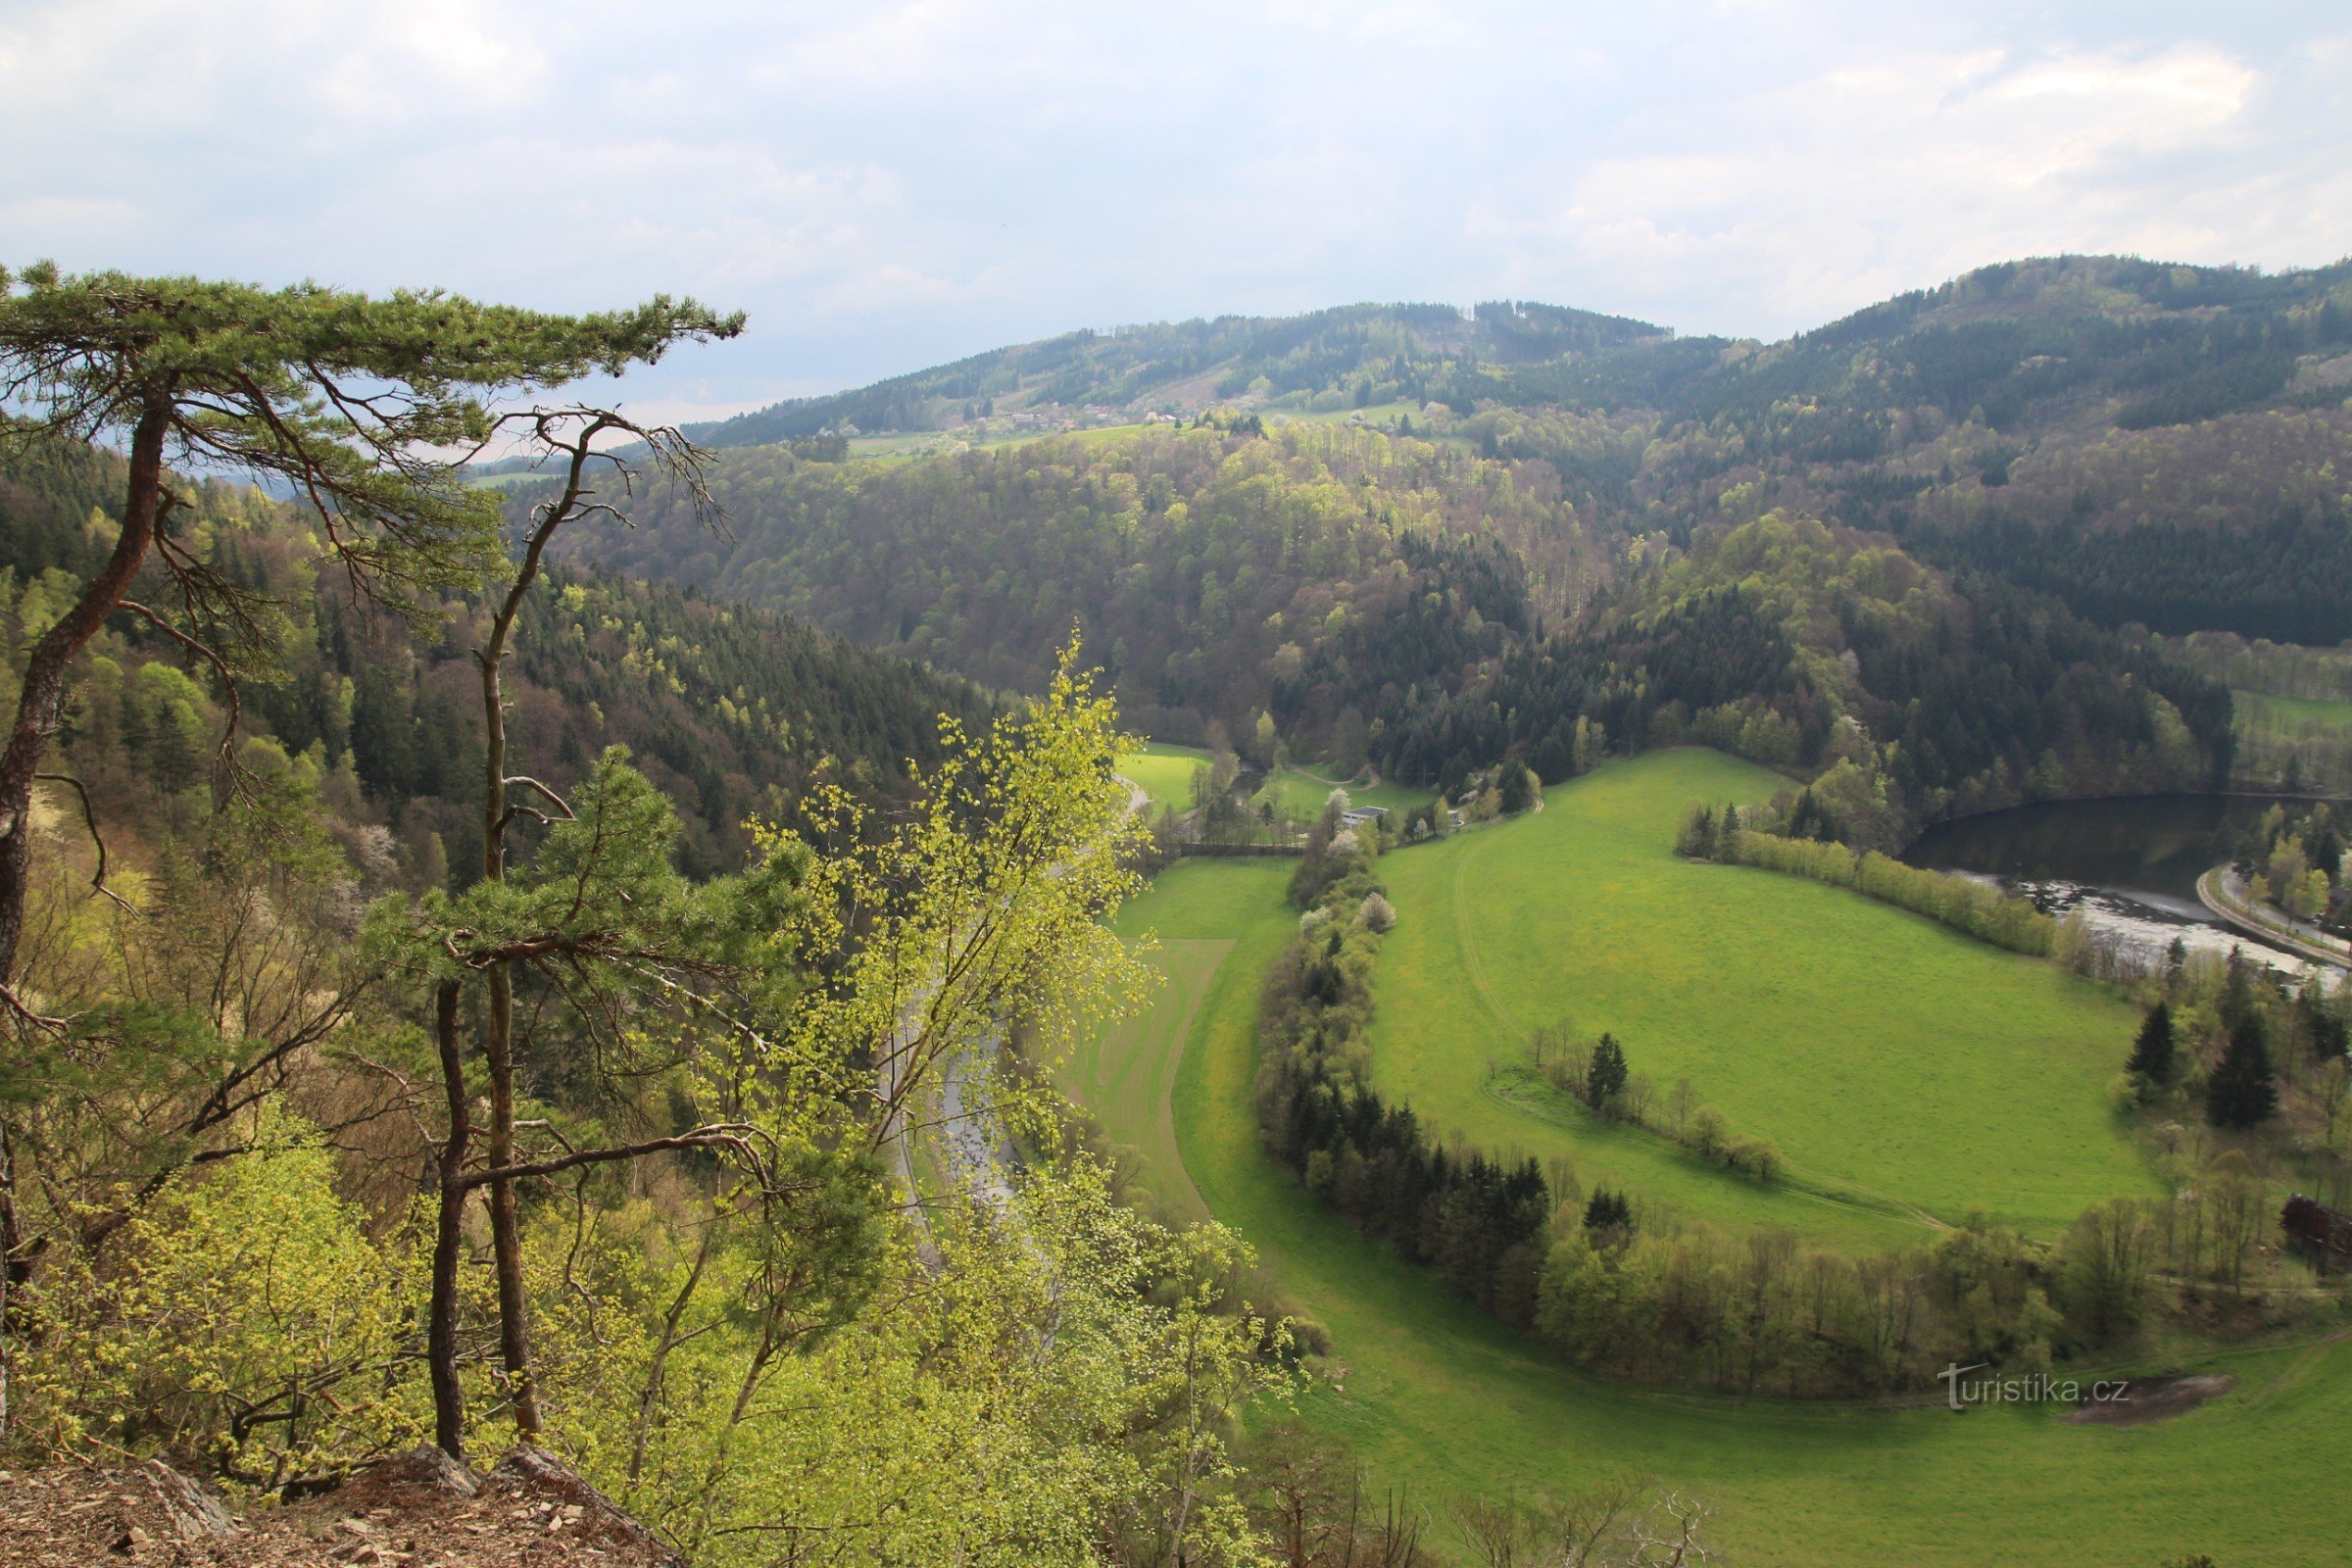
[41,697]
[498,1054]
[441,1334]
[498,1048]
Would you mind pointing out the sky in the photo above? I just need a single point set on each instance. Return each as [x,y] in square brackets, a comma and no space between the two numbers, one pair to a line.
[890,184]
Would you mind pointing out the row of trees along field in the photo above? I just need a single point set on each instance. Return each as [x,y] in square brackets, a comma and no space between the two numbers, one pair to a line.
[2293,707]
[2242,1097]
[311,1153]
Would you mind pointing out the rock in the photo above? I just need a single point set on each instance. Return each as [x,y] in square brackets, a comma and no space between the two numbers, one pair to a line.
[196,1515]
[426,1468]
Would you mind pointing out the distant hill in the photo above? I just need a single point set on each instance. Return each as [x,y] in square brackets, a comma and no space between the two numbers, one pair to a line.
[1392,533]
[2151,443]
[1355,356]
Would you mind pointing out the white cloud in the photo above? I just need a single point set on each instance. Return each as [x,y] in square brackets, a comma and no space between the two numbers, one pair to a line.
[1816,197]
[895,184]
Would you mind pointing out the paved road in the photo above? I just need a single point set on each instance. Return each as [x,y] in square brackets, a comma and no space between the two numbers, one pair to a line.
[979,1154]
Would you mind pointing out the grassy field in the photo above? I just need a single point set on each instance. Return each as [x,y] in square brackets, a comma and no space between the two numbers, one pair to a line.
[1440,1399]
[1165,772]
[2293,712]
[1894,1062]
[1300,794]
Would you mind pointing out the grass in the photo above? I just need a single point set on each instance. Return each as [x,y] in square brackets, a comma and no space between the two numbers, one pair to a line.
[1440,1400]
[1165,772]
[1897,1063]
[2293,712]
[1300,794]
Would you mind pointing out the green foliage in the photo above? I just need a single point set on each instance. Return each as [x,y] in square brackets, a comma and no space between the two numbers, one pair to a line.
[244,1314]
[1802,1013]
[1909,694]
[1981,910]
[1604,1079]
[332,392]
[2152,1061]
[1441,1398]
[2242,1091]
[734,711]
[1216,576]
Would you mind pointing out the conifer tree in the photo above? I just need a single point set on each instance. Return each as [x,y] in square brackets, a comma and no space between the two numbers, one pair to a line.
[2152,1052]
[1604,1079]
[2241,1092]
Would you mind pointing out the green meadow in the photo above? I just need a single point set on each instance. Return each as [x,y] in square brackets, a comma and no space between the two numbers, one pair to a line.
[1909,1074]
[1438,1400]
[1165,772]
[2293,712]
[1298,794]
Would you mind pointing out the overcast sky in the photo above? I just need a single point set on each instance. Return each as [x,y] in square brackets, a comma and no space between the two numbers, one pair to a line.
[884,185]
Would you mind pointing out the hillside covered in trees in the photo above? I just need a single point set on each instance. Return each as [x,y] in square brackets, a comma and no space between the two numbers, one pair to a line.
[733,711]
[1350,356]
[2149,443]
[1413,603]
[446,1002]
[1905,693]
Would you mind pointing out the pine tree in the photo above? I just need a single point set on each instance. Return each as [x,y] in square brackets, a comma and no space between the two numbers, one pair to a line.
[1607,1212]
[1604,1080]
[2241,1092]
[2152,1052]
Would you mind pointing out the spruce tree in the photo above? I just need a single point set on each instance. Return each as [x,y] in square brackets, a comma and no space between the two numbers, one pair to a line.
[2241,1093]
[2152,1052]
[1607,1212]
[1604,1080]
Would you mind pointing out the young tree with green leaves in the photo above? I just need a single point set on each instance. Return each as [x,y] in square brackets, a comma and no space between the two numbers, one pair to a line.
[351,403]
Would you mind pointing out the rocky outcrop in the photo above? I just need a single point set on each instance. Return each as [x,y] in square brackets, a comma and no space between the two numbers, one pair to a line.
[420,1510]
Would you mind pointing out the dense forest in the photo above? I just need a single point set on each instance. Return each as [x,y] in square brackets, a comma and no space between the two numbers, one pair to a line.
[2152,443]
[1214,573]
[734,711]
[1804,647]
[2020,484]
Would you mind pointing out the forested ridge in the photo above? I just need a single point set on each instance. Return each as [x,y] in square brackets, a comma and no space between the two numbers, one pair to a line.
[1397,601]
[1905,694]
[734,710]
[2152,443]
[1215,573]
[2064,455]
[1349,357]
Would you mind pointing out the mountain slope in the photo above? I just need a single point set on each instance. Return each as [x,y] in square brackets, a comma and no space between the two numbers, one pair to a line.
[732,710]
[2149,442]
[1350,355]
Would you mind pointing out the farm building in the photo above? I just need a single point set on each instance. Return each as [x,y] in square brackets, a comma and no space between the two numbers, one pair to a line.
[2322,1234]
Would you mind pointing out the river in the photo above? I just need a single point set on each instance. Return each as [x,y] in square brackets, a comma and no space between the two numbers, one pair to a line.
[2130,865]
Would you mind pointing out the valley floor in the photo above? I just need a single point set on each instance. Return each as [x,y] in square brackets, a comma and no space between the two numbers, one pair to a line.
[1440,1400]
